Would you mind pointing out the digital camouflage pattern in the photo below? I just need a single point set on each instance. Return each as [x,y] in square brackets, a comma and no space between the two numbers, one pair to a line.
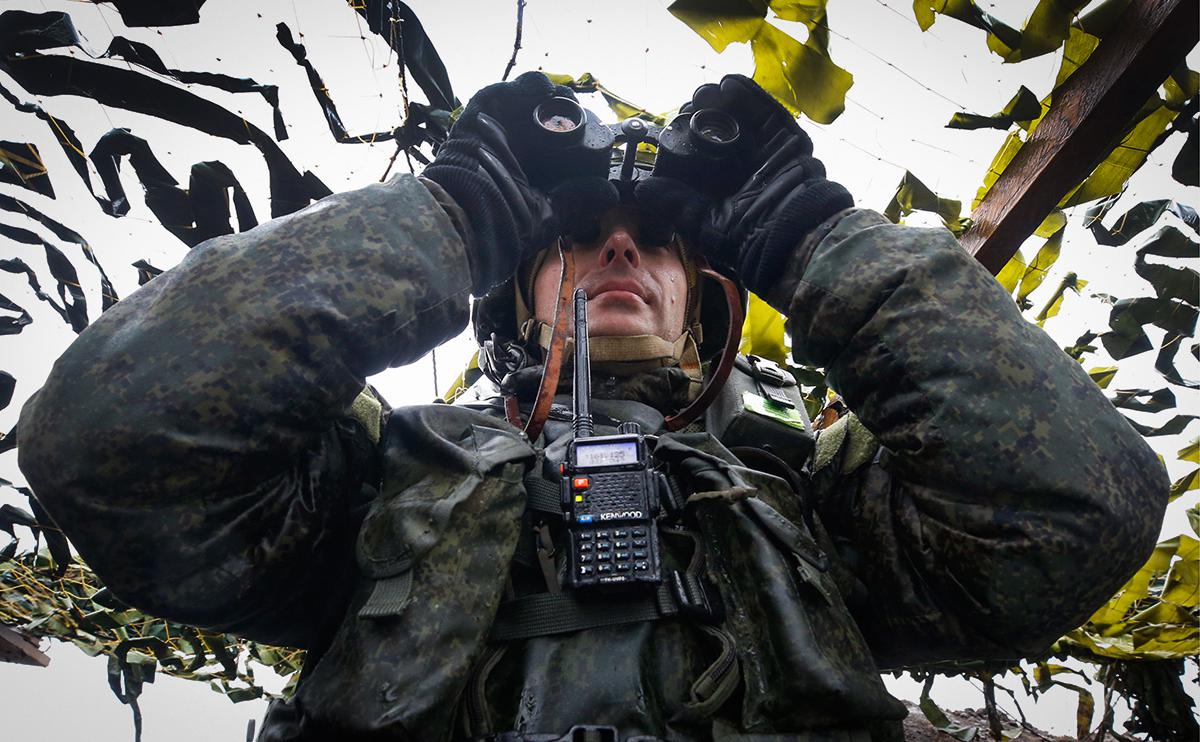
[215,395]
[196,445]
[1008,480]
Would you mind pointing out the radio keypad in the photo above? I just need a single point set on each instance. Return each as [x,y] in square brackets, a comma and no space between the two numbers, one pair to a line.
[610,555]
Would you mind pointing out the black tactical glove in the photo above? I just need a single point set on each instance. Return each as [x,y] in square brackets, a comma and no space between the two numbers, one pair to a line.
[476,165]
[759,227]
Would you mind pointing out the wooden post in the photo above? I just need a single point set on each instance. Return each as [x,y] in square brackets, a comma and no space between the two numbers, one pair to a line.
[1087,116]
[21,649]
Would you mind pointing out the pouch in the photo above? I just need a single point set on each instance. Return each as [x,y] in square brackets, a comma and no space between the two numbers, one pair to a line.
[433,556]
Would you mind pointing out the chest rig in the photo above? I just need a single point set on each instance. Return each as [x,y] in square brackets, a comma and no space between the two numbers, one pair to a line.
[558,573]
[744,626]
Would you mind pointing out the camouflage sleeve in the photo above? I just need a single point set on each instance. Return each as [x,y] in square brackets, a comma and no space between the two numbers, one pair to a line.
[1006,498]
[196,442]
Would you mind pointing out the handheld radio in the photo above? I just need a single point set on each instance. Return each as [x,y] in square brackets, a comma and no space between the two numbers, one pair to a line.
[609,491]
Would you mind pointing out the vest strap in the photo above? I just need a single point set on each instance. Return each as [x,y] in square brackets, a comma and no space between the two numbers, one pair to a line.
[543,495]
[389,596]
[546,614]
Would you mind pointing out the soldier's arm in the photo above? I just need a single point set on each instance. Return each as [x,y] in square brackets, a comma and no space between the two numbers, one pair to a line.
[194,442]
[1007,498]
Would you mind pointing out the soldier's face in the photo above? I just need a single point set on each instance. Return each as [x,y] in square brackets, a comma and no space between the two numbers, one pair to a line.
[633,287]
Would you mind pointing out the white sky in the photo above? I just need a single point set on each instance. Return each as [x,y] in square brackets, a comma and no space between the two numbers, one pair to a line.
[892,122]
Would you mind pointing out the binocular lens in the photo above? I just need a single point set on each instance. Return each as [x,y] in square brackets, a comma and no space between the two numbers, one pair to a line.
[714,127]
[559,115]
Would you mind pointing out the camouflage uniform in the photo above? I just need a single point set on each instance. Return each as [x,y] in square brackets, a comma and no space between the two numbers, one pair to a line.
[197,443]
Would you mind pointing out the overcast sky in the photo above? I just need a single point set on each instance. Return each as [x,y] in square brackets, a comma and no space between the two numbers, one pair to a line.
[907,86]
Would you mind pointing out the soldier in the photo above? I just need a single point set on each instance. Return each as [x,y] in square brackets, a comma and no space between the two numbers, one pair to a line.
[210,449]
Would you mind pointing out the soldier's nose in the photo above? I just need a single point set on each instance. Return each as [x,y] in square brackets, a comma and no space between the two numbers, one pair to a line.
[620,245]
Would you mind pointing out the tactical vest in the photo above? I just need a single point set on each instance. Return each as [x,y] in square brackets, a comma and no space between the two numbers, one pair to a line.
[460,628]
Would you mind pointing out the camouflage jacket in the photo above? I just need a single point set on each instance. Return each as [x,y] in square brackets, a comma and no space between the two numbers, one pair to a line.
[202,447]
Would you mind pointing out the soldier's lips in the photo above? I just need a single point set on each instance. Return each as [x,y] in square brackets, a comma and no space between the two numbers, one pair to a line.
[623,290]
[618,295]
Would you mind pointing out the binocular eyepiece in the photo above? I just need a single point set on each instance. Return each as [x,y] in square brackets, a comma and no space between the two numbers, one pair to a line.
[707,128]
[712,127]
[565,140]
[559,116]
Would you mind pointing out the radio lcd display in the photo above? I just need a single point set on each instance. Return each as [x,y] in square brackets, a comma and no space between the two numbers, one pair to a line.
[605,454]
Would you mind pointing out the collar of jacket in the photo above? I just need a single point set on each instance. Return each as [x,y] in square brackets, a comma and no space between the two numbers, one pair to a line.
[665,389]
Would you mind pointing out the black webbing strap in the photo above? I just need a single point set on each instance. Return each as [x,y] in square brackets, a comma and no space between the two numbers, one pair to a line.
[545,614]
[543,495]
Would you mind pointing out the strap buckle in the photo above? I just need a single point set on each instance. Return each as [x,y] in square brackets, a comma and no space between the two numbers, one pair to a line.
[590,733]
[770,378]
[693,598]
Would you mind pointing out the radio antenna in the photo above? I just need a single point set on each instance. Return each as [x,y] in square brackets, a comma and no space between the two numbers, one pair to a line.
[581,423]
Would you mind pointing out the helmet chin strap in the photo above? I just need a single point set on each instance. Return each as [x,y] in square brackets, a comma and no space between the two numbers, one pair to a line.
[552,368]
[733,338]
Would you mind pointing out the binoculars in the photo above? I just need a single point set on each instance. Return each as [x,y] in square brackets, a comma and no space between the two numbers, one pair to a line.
[702,148]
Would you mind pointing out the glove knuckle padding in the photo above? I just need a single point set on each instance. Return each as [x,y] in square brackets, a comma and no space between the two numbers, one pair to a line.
[494,138]
[707,96]
[813,167]
[765,204]
[786,156]
[510,190]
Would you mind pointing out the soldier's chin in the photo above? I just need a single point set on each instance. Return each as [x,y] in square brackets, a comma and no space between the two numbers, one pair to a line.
[612,323]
